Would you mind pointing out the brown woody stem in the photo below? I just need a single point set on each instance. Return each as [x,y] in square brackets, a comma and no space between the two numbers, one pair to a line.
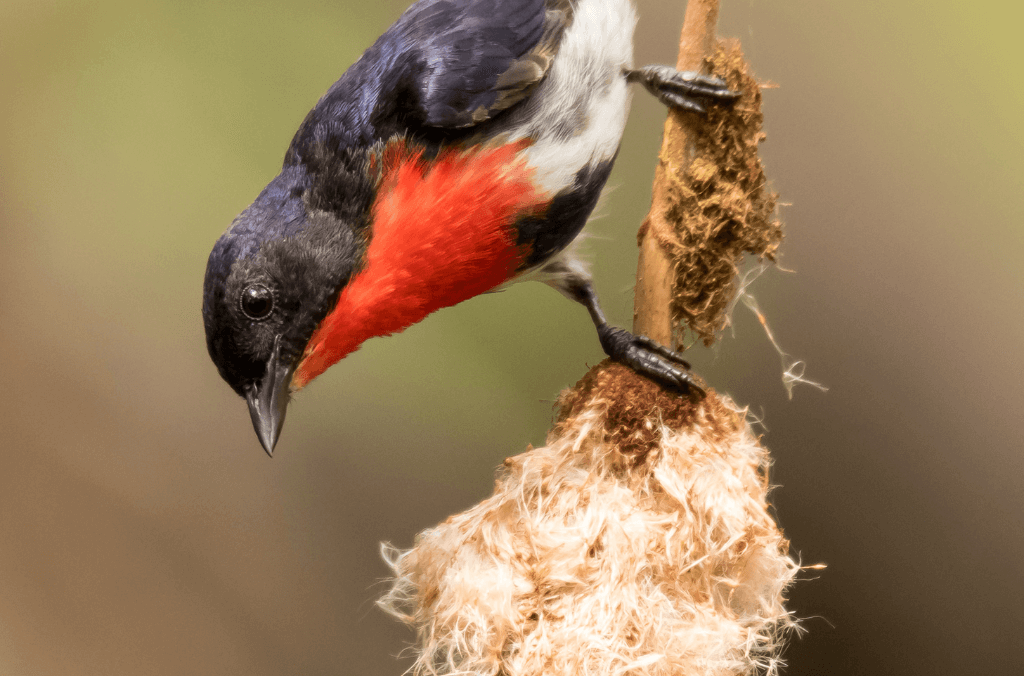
[652,315]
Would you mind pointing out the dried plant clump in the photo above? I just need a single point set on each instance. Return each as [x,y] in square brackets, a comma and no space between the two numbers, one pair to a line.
[721,207]
[637,541]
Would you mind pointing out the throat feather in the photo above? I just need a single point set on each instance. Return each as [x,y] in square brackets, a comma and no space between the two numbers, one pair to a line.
[443,231]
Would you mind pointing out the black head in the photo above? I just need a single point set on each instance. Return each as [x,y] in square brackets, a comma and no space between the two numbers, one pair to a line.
[270,281]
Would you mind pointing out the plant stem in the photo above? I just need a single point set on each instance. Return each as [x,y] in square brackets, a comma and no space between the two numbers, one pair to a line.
[652,314]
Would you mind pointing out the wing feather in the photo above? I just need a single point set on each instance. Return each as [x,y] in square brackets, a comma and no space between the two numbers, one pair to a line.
[487,56]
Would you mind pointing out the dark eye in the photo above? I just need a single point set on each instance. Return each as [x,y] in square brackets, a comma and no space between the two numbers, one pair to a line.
[257,302]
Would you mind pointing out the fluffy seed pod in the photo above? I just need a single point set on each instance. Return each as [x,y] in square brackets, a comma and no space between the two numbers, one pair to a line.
[636,541]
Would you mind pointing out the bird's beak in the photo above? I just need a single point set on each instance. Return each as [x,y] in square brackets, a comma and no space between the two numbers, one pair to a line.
[268,399]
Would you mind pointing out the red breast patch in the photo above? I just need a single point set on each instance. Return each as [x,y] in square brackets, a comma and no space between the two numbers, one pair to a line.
[441,233]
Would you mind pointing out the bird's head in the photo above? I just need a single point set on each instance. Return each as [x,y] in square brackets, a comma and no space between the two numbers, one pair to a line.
[352,244]
[270,281]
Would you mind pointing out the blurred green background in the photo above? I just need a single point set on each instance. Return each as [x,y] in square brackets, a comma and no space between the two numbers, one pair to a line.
[143,530]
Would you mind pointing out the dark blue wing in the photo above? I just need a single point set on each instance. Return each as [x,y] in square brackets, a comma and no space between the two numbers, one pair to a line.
[479,57]
[445,64]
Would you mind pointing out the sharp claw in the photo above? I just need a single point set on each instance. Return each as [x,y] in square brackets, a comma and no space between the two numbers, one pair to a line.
[663,351]
[710,91]
[715,93]
[681,89]
[674,100]
[687,382]
[648,358]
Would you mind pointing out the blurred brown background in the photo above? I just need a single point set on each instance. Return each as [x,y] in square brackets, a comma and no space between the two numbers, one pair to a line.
[143,530]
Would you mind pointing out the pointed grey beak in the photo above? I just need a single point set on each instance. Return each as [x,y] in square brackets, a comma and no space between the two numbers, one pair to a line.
[268,400]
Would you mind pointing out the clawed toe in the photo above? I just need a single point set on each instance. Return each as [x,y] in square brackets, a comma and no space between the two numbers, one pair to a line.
[650,359]
[683,89]
[640,353]
[662,351]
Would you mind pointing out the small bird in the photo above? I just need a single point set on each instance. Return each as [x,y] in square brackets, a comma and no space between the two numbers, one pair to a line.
[463,151]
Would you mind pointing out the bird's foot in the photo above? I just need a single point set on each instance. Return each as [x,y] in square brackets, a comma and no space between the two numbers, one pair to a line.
[648,358]
[685,90]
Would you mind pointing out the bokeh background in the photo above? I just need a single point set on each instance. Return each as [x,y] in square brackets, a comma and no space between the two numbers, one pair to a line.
[143,530]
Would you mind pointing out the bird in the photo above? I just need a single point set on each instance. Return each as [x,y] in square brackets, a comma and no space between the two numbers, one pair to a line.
[462,152]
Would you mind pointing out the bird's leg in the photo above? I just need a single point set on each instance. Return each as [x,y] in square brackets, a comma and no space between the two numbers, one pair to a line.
[640,353]
[682,89]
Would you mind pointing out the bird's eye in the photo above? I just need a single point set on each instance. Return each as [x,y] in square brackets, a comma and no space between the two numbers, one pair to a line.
[257,302]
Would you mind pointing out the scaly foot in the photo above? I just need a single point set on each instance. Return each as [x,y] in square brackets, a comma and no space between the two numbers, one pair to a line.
[683,89]
[648,358]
